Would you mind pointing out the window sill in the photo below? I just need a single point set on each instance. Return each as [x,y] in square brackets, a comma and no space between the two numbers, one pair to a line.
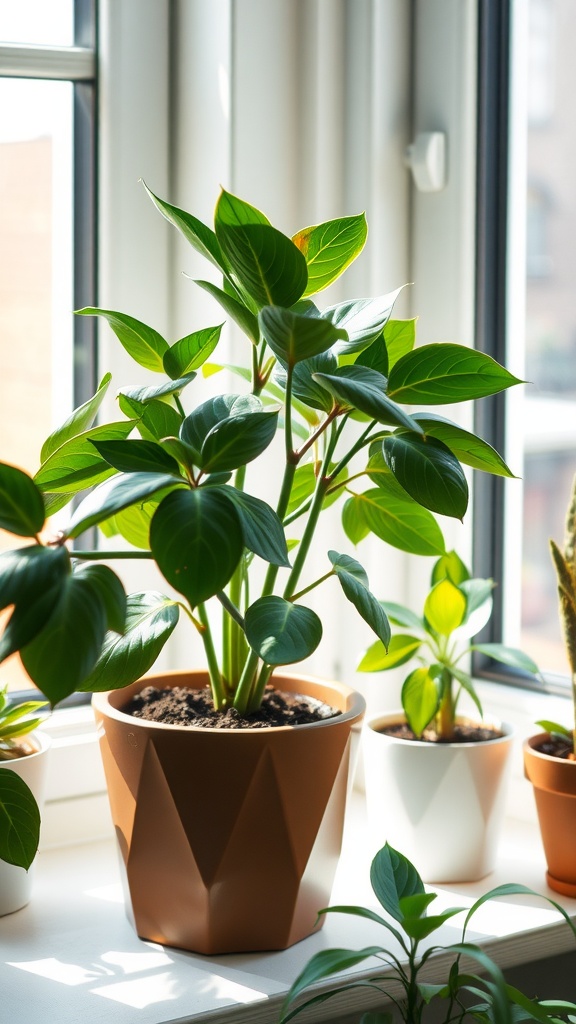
[73,949]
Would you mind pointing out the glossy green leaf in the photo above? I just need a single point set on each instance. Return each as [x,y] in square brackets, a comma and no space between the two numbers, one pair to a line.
[158,420]
[303,486]
[554,727]
[401,648]
[429,472]
[280,632]
[421,698]
[329,248]
[183,453]
[31,579]
[354,583]
[143,343]
[403,524]
[381,474]
[238,440]
[133,523]
[149,394]
[359,387]
[355,528]
[107,584]
[508,656]
[322,965]
[150,621]
[420,927]
[199,235]
[445,607]
[402,616]
[197,541]
[114,495]
[294,336]
[393,877]
[467,447]
[236,310]
[362,320]
[200,422]
[191,352]
[467,684]
[77,464]
[262,530]
[442,373]
[21,503]
[80,420]
[450,566]
[400,337]
[19,820]
[266,263]
[375,357]
[304,385]
[136,456]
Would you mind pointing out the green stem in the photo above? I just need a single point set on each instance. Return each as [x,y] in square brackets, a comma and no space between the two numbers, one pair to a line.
[180,407]
[98,555]
[230,608]
[218,692]
[312,586]
[360,443]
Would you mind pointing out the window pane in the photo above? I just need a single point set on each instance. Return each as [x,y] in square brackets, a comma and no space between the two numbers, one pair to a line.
[38,22]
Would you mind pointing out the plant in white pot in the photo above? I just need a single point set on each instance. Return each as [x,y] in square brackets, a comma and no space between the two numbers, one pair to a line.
[23,764]
[435,781]
[177,476]
[549,756]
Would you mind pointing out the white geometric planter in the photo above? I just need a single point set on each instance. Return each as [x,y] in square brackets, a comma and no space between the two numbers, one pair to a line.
[441,805]
[15,882]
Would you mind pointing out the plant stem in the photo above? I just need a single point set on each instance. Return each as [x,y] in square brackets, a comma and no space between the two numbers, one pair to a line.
[218,692]
[98,555]
[312,586]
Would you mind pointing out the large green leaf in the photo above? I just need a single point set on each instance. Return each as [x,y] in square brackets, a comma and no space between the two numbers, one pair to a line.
[63,654]
[354,583]
[467,447]
[114,495]
[266,263]
[508,656]
[445,607]
[280,632]
[362,320]
[235,309]
[359,387]
[375,356]
[77,464]
[304,385]
[428,471]
[19,820]
[191,352]
[401,648]
[143,343]
[381,474]
[200,422]
[393,877]
[158,420]
[421,693]
[441,373]
[149,394]
[30,579]
[21,503]
[199,235]
[197,541]
[262,530]
[295,336]
[79,421]
[400,336]
[237,440]
[403,524]
[329,248]
[135,456]
[133,523]
[150,621]
[108,586]
[303,486]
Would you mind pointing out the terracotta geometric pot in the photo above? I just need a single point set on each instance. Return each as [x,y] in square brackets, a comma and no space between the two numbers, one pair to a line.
[440,804]
[15,882]
[229,838]
[554,782]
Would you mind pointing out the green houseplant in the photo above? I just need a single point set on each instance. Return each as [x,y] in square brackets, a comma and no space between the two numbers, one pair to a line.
[549,761]
[321,394]
[458,993]
[435,782]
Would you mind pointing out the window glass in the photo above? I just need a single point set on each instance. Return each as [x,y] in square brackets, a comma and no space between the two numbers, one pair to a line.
[37,22]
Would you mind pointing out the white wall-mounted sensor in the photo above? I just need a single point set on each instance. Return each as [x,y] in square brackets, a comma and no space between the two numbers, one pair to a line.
[426,158]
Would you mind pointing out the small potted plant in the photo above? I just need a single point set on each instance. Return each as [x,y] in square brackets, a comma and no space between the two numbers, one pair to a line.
[407,960]
[23,762]
[320,390]
[435,782]
[549,758]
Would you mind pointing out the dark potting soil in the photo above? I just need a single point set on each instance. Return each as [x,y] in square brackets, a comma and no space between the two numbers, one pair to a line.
[182,706]
[556,746]
[462,733]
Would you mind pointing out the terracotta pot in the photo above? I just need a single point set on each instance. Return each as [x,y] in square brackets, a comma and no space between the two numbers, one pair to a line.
[554,781]
[440,804]
[229,838]
[16,883]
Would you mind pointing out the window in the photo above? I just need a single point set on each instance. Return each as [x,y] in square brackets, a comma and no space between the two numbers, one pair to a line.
[47,227]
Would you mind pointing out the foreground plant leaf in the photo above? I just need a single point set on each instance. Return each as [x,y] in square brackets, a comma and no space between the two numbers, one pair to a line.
[141,342]
[31,579]
[21,503]
[80,420]
[354,583]
[281,632]
[429,472]
[442,373]
[19,820]
[329,248]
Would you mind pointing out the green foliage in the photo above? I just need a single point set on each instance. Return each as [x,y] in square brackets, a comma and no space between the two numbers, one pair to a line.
[458,995]
[565,566]
[321,403]
[19,813]
[455,609]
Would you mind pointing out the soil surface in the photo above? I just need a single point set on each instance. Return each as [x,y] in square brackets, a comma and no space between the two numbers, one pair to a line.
[556,746]
[462,734]
[182,706]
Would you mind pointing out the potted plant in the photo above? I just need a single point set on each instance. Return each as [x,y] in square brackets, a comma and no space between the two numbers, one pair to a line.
[549,759]
[23,762]
[319,397]
[435,782]
[408,959]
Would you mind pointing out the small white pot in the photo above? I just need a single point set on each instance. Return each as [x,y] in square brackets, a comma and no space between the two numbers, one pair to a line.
[440,804]
[15,882]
